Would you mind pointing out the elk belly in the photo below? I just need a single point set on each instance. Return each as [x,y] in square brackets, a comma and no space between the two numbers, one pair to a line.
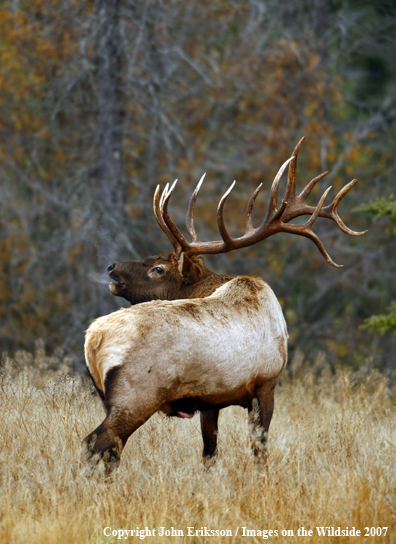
[185,415]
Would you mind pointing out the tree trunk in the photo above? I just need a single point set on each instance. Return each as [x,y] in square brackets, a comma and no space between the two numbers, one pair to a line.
[109,133]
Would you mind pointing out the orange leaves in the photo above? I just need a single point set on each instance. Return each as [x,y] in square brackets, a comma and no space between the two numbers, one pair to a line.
[203,86]
[19,75]
[28,52]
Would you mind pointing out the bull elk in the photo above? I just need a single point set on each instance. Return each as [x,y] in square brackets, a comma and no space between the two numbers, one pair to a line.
[193,339]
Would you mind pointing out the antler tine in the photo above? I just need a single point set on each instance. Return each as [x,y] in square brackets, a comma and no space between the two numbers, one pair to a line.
[157,204]
[248,215]
[312,236]
[297,205]
[307,190]
[297,147]
[163,194]
[330,211]
[168,221]
[306,230]
[294,203]
[220,220]
[292,174]
[190,212]
[166,194]
[276,219]
[274,194]
[318,208]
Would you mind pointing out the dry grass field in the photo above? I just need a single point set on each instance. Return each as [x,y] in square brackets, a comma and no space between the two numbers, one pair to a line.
[332,464]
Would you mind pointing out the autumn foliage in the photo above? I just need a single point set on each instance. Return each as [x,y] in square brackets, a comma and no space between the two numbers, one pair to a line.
[100,101]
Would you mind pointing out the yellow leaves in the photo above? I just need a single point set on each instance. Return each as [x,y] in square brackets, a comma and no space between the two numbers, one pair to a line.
[361,155]
[77,250]
[19,77]
[30,52]
[313,60]
[46,174]
[46,49]
[338,348]
[19,154]
[354,153]
[320,88]
[60,154]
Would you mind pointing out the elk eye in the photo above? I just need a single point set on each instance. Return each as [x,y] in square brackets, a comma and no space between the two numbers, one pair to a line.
[159,270]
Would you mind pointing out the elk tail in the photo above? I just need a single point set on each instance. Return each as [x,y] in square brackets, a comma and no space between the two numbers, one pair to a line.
[93,339]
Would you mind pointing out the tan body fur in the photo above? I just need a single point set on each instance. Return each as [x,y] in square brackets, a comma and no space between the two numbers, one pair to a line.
[204,353]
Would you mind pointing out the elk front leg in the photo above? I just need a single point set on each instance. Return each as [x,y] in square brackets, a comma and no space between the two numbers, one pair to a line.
[261,409]
[209,427]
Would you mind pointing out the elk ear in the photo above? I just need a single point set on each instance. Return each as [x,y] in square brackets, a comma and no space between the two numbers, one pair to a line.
[180,264]
[190,268]
[184,266]
[198,259]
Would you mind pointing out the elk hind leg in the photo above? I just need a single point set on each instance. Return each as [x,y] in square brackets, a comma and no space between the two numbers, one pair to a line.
[209,427]
[261,409]
[107,441]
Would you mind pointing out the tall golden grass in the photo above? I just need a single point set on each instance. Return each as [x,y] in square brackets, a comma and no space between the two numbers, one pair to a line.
[331,463]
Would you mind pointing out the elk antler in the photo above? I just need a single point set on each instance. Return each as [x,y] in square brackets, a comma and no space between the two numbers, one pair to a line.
[276,219]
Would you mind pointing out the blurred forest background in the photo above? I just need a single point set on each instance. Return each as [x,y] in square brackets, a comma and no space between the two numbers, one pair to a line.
[102,100]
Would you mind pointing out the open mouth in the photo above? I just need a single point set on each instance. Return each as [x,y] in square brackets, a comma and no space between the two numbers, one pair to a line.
[114,280]
[114,285]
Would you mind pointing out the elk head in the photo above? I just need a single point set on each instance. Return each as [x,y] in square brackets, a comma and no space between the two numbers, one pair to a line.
[156,277]
[178,275]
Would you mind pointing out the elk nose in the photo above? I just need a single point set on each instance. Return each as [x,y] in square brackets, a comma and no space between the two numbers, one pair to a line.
[110,267]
